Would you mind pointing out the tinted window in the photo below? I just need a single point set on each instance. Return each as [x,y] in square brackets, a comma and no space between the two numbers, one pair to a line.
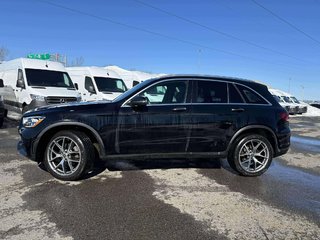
[211,92]
[169,92]
[110,84]
[250,96]
[234,96]
[47,78]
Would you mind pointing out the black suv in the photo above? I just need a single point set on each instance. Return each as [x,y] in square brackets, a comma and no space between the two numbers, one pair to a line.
[167,117]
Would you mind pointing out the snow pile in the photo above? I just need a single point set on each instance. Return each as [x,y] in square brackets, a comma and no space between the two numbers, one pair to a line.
[130,76]
[312,112]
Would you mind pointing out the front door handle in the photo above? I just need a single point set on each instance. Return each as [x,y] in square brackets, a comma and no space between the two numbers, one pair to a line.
[179,109]
[237,110]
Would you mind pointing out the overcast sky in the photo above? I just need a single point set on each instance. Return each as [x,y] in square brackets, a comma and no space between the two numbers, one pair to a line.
[266,40]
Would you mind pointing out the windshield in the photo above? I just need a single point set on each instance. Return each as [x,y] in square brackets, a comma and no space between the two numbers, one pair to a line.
[277,98]
[295,100]
[110,84]
[48,78]
[286,99]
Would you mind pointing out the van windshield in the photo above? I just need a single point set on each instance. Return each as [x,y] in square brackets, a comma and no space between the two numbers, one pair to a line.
[48,78]
[295,100]
[287,99]
[110,84]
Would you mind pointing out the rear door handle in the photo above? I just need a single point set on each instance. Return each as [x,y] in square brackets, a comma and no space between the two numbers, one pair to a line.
[237,110]
[179,109]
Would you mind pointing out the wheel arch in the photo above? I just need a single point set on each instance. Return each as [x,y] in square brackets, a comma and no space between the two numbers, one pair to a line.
[46,134]
[257,129]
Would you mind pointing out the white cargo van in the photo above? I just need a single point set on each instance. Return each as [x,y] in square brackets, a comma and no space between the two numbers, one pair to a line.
[30,83]
[96,83]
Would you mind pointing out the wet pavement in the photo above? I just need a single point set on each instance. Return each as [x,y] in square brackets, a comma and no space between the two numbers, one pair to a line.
[163,199]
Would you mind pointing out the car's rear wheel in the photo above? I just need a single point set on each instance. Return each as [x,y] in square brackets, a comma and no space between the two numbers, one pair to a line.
[68,154]
[251,155]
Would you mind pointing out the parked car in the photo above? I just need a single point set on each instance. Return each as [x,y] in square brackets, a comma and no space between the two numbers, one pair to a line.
[96,83]
[32,83]
[302,108]
[315,104]
[285,103]
[194,116]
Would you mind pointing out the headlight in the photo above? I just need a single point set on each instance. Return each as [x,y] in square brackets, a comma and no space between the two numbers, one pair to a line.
[30,122]
[37,97]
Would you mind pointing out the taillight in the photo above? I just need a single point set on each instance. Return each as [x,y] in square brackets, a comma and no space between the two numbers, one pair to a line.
[284,116]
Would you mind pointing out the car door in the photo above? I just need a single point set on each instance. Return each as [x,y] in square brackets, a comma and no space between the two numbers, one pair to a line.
[162,126]
[215,119]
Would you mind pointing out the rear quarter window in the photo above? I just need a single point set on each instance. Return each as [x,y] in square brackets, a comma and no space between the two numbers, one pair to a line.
[250,96]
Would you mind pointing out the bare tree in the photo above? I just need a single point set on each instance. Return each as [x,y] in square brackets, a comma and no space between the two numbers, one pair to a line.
[76,62]
[3,53]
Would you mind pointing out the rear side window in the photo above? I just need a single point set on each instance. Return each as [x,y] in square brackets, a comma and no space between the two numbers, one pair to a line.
[211,92]
[234,95]
[250,96]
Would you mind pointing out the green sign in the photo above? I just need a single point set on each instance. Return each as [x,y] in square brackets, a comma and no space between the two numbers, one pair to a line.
[45,56]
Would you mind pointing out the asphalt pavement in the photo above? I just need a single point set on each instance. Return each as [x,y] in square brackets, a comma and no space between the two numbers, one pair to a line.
[162,199]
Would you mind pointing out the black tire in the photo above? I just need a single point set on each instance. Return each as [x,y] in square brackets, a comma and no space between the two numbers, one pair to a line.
[235,160]
[85,153]
[1,121]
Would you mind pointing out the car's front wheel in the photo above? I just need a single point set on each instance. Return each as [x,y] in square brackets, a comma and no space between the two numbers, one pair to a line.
[251,155]
[67,155]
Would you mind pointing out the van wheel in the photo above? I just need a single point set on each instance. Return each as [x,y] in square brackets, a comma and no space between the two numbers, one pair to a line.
[68,154]
[1,122]
[251,155]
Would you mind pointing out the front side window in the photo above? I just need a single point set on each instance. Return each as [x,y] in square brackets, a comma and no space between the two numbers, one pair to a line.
[169,92]
[105,84]
[48,78]
[211,92]
[88,84]
[250,96]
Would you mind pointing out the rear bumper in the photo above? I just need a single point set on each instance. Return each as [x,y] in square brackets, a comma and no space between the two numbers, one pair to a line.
[283,145]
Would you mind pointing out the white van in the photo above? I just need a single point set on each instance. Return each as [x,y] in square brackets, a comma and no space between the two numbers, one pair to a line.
[31,83]
[96,83]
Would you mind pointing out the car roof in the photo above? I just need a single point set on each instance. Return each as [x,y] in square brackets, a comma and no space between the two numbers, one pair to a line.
[196,76]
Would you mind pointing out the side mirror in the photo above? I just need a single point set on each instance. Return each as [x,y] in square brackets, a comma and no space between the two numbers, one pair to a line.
[76,86]
[138,101]
[20,83]
[1,83]
[91,89]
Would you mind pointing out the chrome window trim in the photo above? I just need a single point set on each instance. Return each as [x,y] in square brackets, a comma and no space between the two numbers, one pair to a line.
[203,79]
